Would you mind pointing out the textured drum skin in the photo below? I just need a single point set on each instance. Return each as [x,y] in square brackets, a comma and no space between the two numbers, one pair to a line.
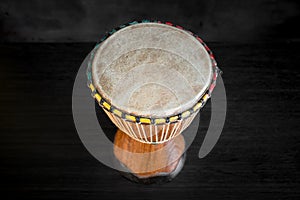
[151,69]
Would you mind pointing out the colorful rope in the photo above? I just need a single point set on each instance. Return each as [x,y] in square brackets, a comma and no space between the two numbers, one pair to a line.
[146,120]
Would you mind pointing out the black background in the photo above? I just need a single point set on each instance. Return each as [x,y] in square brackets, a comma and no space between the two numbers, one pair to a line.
[86,20]
[256,44]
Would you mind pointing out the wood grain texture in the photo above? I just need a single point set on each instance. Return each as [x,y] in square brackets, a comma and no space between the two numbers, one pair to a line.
[148,160]
[256,157]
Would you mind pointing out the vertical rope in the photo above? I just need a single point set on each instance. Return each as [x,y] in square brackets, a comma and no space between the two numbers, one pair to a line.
[167,131]
[175,132]
[150,133]
[132,133]
[144,133]
[156,136]
[138,128]
[173,129]
[119,124]
[162,133]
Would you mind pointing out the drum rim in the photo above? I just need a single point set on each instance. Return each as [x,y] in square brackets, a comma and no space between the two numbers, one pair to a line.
[151,120]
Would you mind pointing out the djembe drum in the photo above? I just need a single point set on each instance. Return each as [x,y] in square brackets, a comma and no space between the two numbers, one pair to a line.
[151,79]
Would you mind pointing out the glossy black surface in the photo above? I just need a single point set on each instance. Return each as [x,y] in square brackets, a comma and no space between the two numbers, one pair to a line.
[257,156]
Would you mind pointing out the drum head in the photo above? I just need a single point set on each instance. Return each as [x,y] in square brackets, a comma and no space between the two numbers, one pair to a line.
[151,70]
